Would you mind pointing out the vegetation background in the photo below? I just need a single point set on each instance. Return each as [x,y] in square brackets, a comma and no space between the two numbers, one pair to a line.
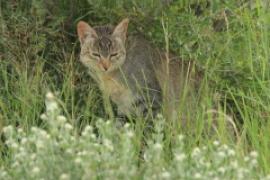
[229,41]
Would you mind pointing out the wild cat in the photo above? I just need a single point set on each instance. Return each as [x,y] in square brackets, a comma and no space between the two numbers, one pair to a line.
[139,78]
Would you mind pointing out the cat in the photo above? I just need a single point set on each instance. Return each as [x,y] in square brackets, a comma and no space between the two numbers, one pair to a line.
[138,77]
[143,80]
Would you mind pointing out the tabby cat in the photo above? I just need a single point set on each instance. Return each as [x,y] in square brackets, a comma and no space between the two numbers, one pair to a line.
[137,77]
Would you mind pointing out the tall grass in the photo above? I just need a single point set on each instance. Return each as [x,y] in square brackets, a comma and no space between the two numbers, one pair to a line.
[39,52]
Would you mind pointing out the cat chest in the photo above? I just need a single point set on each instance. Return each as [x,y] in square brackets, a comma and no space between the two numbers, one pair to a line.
[118,92]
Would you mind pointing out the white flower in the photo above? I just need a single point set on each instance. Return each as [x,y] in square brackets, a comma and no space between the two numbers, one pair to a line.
[51,106]
[222,170]
[14,145]
[196,151]
[88,128]
[20,130]
[24,140]
[127,125]
[254,162]
[84,133]
[108,144]
[159,116]
[181,137]
[180,157]
[84,153]
[8,129]
[43,133]
[197,176]
[210,173]
[34,129]
[240,175]
[254,154]
[234,164]
[68,126]
[166,175]
[145,156]
[93,136]
[33,157]
[69,151]
[35,170]
[225,147]
[22,149]
[40,144]
[61,119]
[78,161]
[231,152]
[15,164]
[64,177]
[246,158]
[50,96]
[130,134]
[221,154]
[3,173]
[207,164]
[48,136]
[72,138]
[43,117]
[8,142]
[158,146]
[216,143]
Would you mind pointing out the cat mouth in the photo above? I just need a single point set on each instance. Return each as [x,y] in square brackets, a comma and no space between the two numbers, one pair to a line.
[104,69]
[104,65]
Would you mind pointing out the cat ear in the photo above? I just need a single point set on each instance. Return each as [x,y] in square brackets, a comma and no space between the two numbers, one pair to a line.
[121,29]
[84,30]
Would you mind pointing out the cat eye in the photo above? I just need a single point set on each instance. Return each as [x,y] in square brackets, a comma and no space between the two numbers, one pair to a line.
[96,54]
[114,54]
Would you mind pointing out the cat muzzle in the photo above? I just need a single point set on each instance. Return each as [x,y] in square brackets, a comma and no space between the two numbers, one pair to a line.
[104,64]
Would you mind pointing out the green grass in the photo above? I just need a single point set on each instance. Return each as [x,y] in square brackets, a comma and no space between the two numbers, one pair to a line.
[39,53]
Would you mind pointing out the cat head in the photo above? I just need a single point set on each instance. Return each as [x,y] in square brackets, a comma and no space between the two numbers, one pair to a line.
[103,48]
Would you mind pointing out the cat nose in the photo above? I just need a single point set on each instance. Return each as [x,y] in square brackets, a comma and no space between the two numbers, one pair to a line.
[105,68]
[105,64]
